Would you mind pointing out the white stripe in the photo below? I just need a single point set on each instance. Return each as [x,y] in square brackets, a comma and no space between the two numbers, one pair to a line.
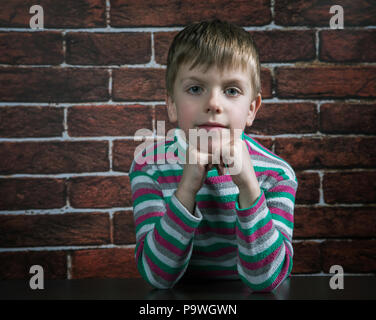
[148,273]
[252,250]
[166,260]
[265,276]
[149,204]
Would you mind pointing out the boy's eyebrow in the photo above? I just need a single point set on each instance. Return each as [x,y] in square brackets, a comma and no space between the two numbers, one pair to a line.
[226,81]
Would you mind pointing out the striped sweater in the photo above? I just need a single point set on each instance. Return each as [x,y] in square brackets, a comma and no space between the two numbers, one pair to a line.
[220,240]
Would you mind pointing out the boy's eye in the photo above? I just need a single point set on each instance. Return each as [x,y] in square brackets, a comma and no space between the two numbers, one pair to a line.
[195,90]
[232,92]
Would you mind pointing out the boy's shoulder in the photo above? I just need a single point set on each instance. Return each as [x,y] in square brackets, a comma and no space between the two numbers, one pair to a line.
[266,160]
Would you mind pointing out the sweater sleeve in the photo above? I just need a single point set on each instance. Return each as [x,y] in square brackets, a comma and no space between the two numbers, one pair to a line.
[164,232]
[264,236]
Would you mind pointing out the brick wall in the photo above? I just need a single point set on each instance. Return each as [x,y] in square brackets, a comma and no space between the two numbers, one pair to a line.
[73,95]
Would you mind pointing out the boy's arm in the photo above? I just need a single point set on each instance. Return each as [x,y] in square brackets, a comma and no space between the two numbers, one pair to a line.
[264,235]
[164,232]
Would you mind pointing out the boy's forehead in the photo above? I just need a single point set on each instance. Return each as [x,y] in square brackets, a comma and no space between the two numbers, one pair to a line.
[202,72]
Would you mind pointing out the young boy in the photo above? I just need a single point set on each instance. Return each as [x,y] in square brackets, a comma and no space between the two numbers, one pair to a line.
[197,217]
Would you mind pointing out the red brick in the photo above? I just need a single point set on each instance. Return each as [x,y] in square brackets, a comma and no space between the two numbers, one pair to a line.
[53,157]
[306,257]
[57,14]
[331,152]
[334,222]
[321,82]
[133,84]
[25,122]
[345,118]
[32,193]
[16,265]
[100,192]
[285,46]
[176,13]
[53,84]
[349,187]
[123,154]
[353,256]
[308,188]
[316,12]
[273,46]
[281,118]
[104,263]
[54,229]
[348,45]
[87,48]
[162,42]
[266,83]
[31,47]
[108,120]
[124,229]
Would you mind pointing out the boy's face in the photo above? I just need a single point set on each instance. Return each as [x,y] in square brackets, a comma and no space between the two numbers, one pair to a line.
[202,99]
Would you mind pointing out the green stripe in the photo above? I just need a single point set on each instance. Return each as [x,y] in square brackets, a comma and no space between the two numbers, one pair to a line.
[263,254]
[271,195]
[267,283]
[217,224]
[169,238]
[159,263]
[258,225]
[181,216]
[151,220]
[283,220]
[146,197]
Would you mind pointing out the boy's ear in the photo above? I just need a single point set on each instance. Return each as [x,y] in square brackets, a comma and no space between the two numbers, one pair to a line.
[171,110]
[254,107]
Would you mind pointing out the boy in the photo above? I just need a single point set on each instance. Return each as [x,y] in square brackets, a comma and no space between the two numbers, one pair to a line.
[197,217]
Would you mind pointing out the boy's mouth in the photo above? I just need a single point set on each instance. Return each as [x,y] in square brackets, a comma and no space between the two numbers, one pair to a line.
[211,126]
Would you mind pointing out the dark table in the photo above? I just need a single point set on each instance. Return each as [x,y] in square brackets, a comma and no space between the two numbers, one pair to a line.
[294,288]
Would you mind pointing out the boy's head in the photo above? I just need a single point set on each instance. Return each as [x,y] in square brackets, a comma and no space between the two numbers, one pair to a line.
[213,76]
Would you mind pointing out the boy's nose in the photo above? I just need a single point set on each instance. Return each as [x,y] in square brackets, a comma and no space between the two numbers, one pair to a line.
[213,104]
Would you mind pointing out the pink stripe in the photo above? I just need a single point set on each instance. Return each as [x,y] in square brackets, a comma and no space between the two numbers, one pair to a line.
[216,253]
[261,263]
[168,179]
[282,213]
[254,236]
[218,179]
[178,221]
[142,191]
[254,209]
[169,246]
[282,274]
[281,188]
[271,173]
[147,216]
[166,276]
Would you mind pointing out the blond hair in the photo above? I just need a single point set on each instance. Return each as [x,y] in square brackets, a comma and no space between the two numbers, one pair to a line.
[213,43]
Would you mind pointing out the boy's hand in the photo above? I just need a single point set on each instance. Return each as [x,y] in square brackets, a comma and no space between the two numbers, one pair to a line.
[197,164]
[235,160]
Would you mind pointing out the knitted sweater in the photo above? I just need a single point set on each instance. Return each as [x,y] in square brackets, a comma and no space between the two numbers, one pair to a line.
[220,240]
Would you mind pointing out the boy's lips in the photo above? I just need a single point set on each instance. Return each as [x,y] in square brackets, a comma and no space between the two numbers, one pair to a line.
[211,125]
